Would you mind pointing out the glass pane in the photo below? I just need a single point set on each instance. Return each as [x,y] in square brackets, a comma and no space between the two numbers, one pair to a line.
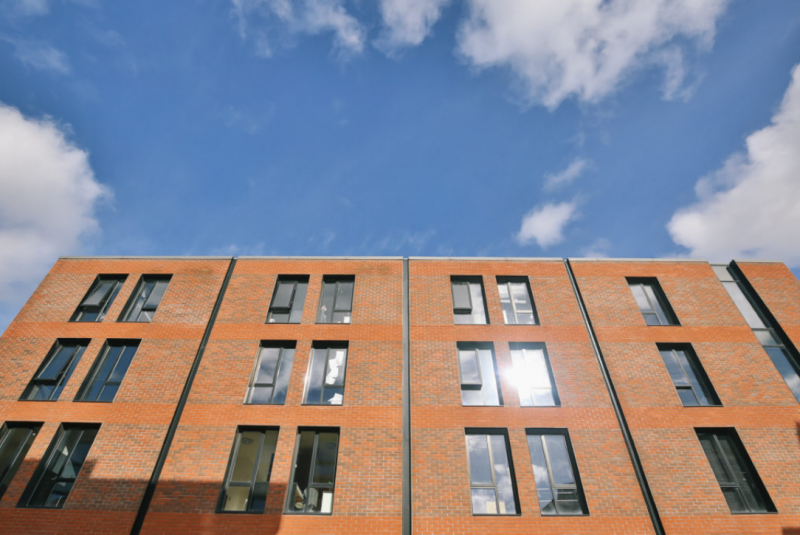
[687,397]
[344,296]
[243,466]
[236,499]
[490,393]
[267,456]
[478,308]
[57,363]
[260,395]
[43,392]
[302,470]
[543,485]
[275,317]
[99,294]
[484,502]
[297,304]
[747,485]
[325,467]
[108,393]
[521,378]
[461,296]
[722,273]
[765,337]
[526,318]
[336,366]
[641,298]
[479,465]
[136,307]
[314,392]
[567,502]
[471,397]
[659,310]
[674,369]
[145,316]
[508,314]
[155,296]
[539,377]
[651,319]
[59,493]
[734,499]
[122,365]
[462,319]
[333,395]
[502,289]
[559,460]
[781,360]
[13,446]
[326,303]
[694,380]
[719,469]
[283,295]
[470,374]
[743,304]
[284,373]
[521,298]
[502,473]
[267,365]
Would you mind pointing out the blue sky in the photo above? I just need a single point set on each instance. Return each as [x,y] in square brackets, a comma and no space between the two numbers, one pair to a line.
[647,128]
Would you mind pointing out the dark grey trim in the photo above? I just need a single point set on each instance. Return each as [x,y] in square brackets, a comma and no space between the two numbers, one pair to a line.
[173,426]
[658,527]
[406,501]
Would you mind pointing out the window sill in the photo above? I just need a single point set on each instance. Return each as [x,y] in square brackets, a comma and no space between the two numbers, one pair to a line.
[490,515]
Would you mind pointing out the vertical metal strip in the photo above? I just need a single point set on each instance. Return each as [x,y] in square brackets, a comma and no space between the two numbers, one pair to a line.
[623,424]
[173,426]
[406,501]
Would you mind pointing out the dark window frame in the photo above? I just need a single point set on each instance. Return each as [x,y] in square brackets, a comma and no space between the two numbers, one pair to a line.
[467,280]
[542,431]
[503,432]
[336,279]
[64,374]
[284,279]
[327,345]
[695,367]
[105,303]
[283,345]
[310,482]
[130,306]
[233,457]
[661,300]
[522,346]
[508,280]
[477,346]
[98,365]
[8,472]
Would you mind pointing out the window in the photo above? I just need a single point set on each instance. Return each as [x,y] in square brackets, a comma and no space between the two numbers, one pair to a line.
[313,472]
[735,473]
[469,306]
[15,439]
[56,474]
[287,300]
[145,299]
[491,476]
[336,301]
[249,469]
[478,372]
[558,483]
[325,381]
[533,375]
[517,301]
[652,302]
[99,299]
[270,378]
[55,371]
[688,375]
[108,371]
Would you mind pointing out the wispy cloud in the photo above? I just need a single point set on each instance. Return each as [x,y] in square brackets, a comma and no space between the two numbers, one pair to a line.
[26,8]
[545,224]
[407,22]
[598,249]
[39,55]
[553,181]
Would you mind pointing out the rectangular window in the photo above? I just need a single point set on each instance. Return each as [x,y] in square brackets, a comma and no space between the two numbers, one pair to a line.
[517,301]
[336,300]
[533,375]
[652,302]
[469,305]
[688,376]
[56,474]
[145,299]
[108,370]
[99,299]
[478,372]
[249,469]
[558,483]
[270,378]
[491,473]
[288,299]
[325,380]
[735,473]
[15,440]
[314,472]
[55,371]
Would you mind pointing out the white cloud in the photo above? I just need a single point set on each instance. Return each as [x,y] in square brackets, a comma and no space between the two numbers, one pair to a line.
[261,18]
[545,224]
[574,170]
[27,7]
[39,55]
[407,22]
[598,249]
[750,207]
[48,194]
[585,49]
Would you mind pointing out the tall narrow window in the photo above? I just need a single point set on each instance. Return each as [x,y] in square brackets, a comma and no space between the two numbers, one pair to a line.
[652,302]
[15,440]
[478,372]
[735,473]
[271,376]
[336,301]
[249,469]
[314,472]
[288,299]
[108,370]
[556,473]
[491,477]
[469,305]
[56,474]
[517,301]
[325,381]
[99,299]
[533,375]
[145,299]
[688,375]
[55,371]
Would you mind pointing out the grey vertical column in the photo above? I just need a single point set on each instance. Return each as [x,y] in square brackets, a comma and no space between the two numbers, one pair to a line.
[406,502]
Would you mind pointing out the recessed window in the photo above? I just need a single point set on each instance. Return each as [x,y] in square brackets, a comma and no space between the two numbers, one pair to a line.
[478,372]
[55,371]
[735,473]
[652,301]
[288,299]
[270,379]
[336,301]
[533,375]
[15,440]
[325,382]
[108,371]
[469,304]
[491,477]
[314,472]
[145,299]
[517,301]
[54,478]
[99,299]
[687,375]
[558,484]
[249,470]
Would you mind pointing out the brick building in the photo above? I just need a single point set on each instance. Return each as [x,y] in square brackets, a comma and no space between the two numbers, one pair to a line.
[390,395]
